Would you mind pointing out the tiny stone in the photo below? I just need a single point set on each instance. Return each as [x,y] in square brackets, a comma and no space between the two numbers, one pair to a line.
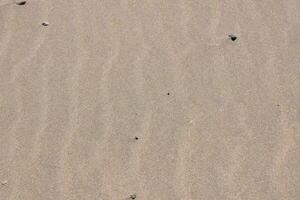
[21,3]
[232,37]
[168,93]
[133,196]
[45,24]
[136,138]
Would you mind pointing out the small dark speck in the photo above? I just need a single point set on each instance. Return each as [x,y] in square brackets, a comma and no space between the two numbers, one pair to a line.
[136,138]
[45,24]
[168,93]
[232,37]
[4,182]
[133,196]
[21,3]
[278,105]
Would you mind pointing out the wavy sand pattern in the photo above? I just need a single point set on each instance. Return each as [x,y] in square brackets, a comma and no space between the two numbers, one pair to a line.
[215,119]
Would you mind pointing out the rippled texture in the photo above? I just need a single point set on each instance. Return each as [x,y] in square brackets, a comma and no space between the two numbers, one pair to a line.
[215,118]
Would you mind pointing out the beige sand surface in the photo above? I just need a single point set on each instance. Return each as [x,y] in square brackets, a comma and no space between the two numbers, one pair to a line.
[75,94]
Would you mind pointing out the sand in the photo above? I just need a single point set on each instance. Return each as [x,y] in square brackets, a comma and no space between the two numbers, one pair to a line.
[149,100]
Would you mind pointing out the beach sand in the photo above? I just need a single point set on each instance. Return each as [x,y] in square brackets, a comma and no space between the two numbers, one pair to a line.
[149,100]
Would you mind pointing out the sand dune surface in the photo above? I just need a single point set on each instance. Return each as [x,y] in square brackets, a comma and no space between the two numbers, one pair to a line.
[149,100]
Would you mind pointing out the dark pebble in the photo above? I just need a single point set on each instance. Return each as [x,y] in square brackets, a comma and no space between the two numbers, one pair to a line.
[21,3]
[232,37]
[136,138]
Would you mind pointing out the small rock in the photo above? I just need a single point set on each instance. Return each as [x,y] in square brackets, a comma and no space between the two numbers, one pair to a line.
[133,196]
[21,3]
[232,37]
[45,24]
[136,138]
